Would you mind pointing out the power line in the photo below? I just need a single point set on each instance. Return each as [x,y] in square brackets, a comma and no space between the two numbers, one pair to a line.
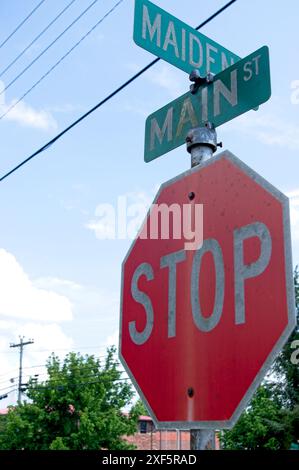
[7,387]
[98,105]
[37,37]
[43,365]
[7,393]
[49,46]
[52,383]
[60,60]
[78,349]
[36,376]
[73,385]
[43,374]
[21,24]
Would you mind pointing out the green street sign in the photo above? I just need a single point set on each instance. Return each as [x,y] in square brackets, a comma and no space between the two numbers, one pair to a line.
[174,41]
[239,88]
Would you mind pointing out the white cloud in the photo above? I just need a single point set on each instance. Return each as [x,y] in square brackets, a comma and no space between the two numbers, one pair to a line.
[102,305]
[47,338]
[54,283]
[267,128]
[65,108]
[25,115]
[111,340]
[171,80]
[138,108]
[168,79]
[19,298]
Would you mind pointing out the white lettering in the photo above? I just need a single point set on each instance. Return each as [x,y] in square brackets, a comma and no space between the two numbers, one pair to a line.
[210,59]
[183,44]
[247,69]
[230,95]
[194,40]
[160,133]
[170,39]
[187,115]
[153,29]
[224,61]
[256,61]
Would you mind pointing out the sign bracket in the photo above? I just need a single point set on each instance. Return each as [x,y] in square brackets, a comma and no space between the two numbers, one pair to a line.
[199,81]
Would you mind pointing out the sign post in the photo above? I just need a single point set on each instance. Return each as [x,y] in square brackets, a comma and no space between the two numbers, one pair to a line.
[211,267]
[201,144]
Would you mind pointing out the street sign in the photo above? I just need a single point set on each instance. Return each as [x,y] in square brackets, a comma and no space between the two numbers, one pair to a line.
[174,41]
[200,328]
[236,90]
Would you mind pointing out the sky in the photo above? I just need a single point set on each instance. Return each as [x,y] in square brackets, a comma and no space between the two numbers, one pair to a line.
[59,279]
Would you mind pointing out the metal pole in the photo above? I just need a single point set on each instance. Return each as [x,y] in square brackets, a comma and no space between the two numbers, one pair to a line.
[20,372]
[21,345]
[201,144]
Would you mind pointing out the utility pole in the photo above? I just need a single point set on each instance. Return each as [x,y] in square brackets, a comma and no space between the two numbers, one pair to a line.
[21,345]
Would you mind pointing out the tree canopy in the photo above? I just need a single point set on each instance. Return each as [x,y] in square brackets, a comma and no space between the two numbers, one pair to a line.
[271,421]
[79,406]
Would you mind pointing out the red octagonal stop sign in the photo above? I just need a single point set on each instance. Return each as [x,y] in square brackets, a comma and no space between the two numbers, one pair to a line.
[200,327]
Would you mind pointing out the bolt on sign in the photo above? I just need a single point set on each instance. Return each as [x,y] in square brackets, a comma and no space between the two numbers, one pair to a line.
[236,90]
[174,41]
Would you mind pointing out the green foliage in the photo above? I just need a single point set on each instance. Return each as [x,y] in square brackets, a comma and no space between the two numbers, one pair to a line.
[286,385]
[58,444]
[263,425]
[78,407]
[138,410]
[271,421]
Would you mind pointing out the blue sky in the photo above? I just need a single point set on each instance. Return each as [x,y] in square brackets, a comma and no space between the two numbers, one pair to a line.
[49,250]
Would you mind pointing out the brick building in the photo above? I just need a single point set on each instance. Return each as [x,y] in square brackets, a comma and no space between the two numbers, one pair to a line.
[149,438]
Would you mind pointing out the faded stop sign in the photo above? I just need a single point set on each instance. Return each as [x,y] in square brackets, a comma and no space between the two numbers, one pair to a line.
[199,328]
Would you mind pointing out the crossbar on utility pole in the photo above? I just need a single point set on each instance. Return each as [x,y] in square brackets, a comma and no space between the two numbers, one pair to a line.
[21,345]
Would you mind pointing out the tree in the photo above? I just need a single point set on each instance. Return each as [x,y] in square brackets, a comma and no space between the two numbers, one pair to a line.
[79,406]
[3,419]
[263,425]
[138,409]
[271,421]
[285,386]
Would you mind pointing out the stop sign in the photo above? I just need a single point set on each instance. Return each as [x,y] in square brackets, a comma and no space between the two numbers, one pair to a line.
[200,325]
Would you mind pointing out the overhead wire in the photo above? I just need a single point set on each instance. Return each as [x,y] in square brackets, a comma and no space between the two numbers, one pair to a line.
[52,384]
[21,24]
[37,37]
[44,374]
[57,349]
[103,101]
[8,387]
[43,365]
[60,60]
[71,369]
[73,385]
[49,46]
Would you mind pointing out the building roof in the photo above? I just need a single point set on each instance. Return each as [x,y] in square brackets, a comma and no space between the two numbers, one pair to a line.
[145,418]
